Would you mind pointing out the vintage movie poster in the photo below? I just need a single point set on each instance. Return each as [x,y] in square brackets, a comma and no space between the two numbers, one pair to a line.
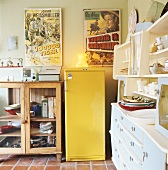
[102,31]
[43,37]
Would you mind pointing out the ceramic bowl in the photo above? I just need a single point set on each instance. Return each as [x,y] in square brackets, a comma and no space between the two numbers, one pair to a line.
[153,70]
[132,108]
[31,113]
[12,109]
[164,40]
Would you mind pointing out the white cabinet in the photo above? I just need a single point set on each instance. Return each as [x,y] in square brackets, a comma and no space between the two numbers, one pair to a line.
[121,59]
[134,145]
[158,29]
[153,156]
[141,146]
[133,59]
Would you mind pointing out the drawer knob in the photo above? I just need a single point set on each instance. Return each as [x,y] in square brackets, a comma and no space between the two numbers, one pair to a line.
[145,155]
[131,159]
[121,130]
[133,129]
[132,143]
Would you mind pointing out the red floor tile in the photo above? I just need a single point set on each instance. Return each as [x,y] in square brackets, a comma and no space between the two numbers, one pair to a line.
[49,162]
[53,161]
[69,167]
[25,161]
[10,161]
[109,162]
[21,168]
[111,167]
[84,162]
[53,167]
[83,167]
[98,167]
[37,168]
[40,161]
[6,167]
[68,163]
[3,156]
[98,162]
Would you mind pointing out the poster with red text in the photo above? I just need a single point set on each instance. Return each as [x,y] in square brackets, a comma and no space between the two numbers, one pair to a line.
[43,37]
[102,31]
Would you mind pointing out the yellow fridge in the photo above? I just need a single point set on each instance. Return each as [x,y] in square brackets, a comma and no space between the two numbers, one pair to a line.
[84,114]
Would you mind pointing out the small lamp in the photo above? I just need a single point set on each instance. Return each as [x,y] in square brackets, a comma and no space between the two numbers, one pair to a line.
[12,43]
[82,61]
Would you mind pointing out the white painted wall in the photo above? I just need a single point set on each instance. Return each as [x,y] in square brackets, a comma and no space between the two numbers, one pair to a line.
[12,24]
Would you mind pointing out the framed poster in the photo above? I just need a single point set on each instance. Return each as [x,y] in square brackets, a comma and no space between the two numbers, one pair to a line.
[43,37]
[102,31]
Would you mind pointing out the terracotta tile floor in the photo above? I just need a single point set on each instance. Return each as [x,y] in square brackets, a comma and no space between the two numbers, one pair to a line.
[49,162]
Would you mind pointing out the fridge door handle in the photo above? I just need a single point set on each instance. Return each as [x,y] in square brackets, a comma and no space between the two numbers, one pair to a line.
[65,87]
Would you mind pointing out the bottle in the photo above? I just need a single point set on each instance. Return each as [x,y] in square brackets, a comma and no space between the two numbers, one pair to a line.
[44,110]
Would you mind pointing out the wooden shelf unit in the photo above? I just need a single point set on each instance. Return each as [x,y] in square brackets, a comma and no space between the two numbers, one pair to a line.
[24,93]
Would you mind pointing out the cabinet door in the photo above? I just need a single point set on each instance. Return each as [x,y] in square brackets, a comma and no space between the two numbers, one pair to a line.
[43,126]
[153,157]
[12,125]
[85,121]
[162,114]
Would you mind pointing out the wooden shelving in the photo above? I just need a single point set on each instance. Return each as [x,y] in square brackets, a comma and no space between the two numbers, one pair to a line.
[23,93]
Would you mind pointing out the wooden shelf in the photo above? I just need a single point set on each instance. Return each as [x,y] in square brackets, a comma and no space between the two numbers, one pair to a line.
[13,134]
[11,66]
[23,93]
[35,132]
[124,45]
[39,119]
[161,52]
[10,118]
[160,26]
[145,94]
[156,75]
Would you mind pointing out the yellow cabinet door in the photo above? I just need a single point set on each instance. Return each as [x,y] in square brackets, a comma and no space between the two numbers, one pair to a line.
[85,114]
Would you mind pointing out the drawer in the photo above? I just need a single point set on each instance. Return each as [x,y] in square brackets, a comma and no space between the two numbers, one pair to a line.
[123,166]
[154,157]
[135,145]
[133,162]
[135,130]
[121,116]
[115,115]
[115,125]
[115,154]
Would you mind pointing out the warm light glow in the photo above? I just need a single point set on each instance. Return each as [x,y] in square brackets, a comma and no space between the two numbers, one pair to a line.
[82,61]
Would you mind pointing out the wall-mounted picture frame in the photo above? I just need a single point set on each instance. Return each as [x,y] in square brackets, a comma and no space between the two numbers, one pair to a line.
[102,31]
[43,36]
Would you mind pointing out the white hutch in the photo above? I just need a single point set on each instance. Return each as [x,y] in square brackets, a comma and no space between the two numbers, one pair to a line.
[138,144]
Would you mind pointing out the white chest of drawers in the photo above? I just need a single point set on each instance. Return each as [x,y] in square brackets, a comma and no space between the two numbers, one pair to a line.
[136,146]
